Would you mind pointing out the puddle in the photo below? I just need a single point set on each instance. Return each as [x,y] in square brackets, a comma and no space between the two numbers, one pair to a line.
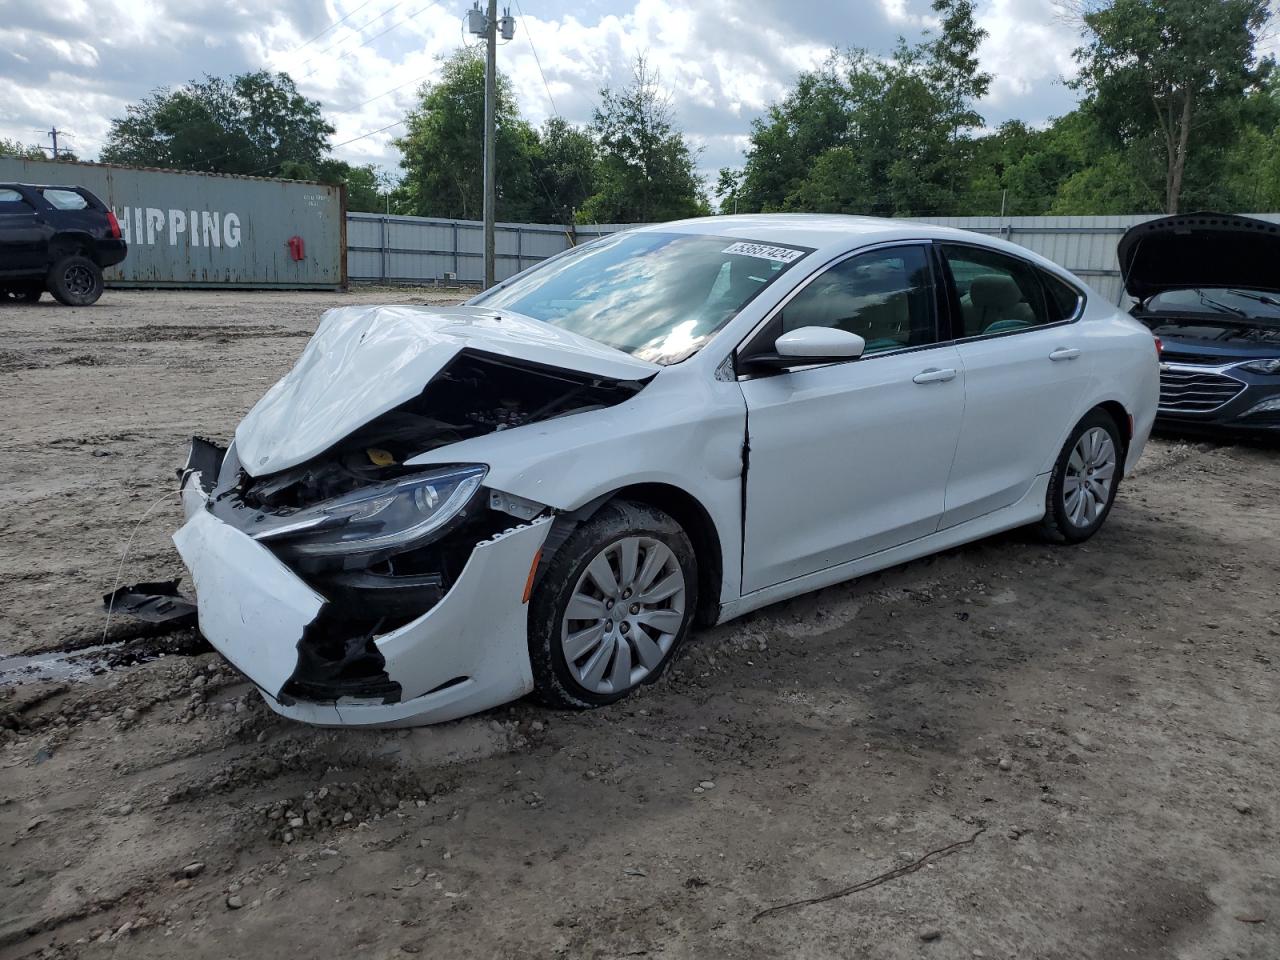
[57,665]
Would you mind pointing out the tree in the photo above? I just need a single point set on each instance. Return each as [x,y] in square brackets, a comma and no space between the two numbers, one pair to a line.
[442,149]
[871,134]
[728,184]
[646,171]
[813,117]
[564,165]
[1168,72]
[253,123]
[364,193]
[31,151]
[16,148]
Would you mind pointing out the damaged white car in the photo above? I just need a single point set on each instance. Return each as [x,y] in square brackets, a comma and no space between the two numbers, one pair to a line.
[439,510]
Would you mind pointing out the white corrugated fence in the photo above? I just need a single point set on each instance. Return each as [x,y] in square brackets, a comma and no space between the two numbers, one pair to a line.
[397,249]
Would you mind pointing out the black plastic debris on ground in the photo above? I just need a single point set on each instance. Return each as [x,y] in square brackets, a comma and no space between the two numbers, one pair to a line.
[154,602]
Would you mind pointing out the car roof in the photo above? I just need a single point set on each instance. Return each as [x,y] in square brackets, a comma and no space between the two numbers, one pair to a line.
[834,232]
[42,186]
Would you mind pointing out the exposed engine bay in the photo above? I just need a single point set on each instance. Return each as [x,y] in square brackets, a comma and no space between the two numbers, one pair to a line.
[371,593]
[474,395]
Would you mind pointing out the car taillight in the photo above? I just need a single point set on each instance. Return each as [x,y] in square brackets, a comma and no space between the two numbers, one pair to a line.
[1159,347]
[114,223]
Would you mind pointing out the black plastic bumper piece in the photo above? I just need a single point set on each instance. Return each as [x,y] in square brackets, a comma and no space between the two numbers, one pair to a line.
[153,602]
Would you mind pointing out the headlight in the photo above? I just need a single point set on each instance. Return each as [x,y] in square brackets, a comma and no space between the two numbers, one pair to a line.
[1270,365]
[393,515]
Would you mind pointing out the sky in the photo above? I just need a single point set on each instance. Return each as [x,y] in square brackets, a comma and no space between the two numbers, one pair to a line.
[76,65]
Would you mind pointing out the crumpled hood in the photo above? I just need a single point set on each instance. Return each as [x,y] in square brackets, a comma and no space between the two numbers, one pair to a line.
[364,361]
[1199,250]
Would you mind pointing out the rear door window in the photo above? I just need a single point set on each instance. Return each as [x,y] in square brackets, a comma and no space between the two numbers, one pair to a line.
[1065,300]
[997,293]
[65,199]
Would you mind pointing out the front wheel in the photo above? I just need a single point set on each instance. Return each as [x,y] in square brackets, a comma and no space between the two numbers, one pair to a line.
[1084,481]
[75,281]
[612,606]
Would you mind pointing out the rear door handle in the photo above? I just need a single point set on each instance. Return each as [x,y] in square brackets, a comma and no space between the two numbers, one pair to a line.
[934,375]
[1065,353]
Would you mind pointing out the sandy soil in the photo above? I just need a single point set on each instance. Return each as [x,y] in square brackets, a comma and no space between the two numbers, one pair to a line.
[1101,722]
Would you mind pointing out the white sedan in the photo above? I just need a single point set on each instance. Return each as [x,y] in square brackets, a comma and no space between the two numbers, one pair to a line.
[439,510]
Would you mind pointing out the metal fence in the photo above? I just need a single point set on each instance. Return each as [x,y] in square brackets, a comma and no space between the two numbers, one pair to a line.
[418,249]
[209,230]
[1084,245]
[399,249]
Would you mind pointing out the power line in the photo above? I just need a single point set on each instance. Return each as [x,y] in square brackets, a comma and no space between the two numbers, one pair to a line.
[347,53]
[330,27]
[277,163]
[392,90]
[536,59]
[552,100]
[358,30]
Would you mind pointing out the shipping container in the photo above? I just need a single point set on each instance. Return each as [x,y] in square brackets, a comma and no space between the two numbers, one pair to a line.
[210,230]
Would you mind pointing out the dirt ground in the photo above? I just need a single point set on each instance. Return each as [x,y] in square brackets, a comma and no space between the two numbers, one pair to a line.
[1096,727]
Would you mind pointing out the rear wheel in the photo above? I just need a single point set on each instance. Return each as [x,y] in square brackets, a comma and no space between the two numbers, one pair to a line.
[75,281]
[612,606]
[1084,482]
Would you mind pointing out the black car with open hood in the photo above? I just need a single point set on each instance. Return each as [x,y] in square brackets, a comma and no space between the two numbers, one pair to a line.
[1208,285]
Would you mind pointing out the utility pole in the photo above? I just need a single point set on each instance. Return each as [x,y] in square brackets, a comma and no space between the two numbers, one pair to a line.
[490,105]
[490,27]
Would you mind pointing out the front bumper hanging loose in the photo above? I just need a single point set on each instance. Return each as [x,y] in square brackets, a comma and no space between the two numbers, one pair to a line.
[468,652]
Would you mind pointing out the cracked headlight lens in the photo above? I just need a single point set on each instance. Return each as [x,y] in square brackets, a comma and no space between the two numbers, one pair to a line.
[389,516]
[1270,365]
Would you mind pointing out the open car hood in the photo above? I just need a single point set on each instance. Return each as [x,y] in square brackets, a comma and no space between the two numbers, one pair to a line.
[364,361]
[1199,250]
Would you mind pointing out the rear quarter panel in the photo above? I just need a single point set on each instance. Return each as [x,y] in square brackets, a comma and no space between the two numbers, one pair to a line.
[1125,369]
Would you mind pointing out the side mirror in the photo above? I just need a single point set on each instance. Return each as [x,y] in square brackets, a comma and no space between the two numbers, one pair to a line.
[807,345]
[820,343]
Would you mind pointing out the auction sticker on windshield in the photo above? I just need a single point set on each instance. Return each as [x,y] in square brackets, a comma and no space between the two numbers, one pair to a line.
[764,251]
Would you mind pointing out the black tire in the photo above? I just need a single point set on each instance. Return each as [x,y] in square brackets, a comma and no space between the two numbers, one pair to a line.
[616,521]
[75,281]
[21,293]
[1058,525]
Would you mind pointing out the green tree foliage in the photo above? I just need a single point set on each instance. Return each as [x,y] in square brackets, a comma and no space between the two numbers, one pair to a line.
[1165,78]
[564,168]
[253,123]
[646,171]
[899,128]
[442,154]
[31,151]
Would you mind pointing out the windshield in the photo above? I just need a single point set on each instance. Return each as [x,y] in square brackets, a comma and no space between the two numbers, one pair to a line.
[657,296]
[1236,302]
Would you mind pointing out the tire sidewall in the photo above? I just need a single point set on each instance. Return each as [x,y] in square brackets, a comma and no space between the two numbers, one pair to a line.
[1056,510]
[614,521]
[57,284]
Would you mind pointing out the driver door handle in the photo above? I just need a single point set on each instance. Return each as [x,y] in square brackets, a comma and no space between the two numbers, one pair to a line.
[934,375]
[1065,353]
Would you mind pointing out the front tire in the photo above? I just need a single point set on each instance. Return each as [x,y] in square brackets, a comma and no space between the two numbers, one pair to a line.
[1084,481]
[612,607]
[75,281]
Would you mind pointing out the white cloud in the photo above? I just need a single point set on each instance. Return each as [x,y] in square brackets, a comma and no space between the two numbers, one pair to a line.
[78,64]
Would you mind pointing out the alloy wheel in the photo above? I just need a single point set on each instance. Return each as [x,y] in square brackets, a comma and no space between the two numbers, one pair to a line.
[624,615]
[1091,471]
[79,280]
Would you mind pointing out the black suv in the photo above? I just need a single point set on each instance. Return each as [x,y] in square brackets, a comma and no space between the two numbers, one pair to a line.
[55,238]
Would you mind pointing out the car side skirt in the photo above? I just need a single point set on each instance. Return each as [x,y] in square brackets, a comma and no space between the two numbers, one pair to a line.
[1028,509]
